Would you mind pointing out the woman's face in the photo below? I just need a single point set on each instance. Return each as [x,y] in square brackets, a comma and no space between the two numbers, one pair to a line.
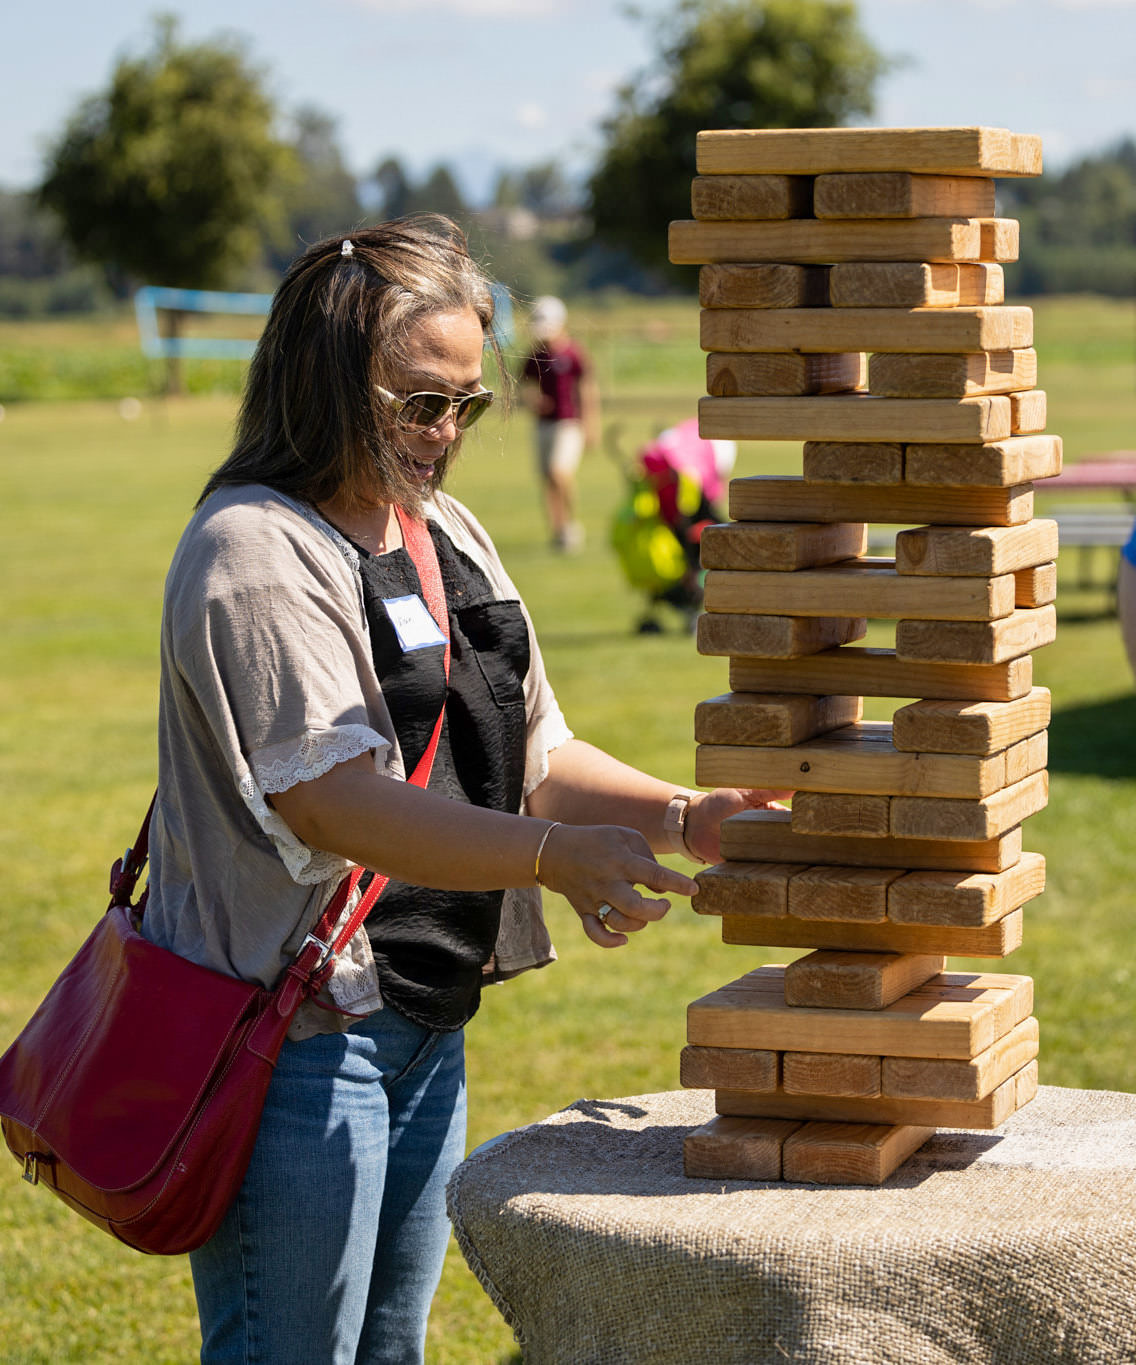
[443,355]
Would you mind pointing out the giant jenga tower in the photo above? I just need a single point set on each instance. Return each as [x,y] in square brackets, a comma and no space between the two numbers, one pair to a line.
[852,298]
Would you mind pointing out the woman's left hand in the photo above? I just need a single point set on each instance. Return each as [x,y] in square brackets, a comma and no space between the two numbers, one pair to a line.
[707,811]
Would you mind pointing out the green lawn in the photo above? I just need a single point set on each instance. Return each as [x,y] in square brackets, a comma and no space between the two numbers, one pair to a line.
[90,507]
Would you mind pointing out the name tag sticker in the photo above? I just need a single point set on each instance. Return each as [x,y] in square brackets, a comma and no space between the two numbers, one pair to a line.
[413,624]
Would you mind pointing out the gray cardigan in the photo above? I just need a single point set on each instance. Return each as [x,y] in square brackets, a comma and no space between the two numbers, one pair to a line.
[267,680]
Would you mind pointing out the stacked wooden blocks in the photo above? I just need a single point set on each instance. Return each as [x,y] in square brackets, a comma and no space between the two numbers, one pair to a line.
[852,293]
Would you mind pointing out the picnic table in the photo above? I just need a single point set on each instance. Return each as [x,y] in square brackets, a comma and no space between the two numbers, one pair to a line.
[1088,528]
[1015,1246]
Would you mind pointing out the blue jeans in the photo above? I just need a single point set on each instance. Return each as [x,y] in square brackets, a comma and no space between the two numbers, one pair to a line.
[334,1247]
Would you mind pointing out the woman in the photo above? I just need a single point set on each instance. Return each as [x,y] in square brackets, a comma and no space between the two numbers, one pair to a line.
[560,387]
[302,679]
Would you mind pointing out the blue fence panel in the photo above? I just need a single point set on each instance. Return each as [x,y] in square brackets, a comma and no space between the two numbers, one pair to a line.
[151,298]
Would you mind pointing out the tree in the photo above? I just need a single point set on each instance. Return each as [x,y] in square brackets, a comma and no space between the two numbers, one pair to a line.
[439,193]
[324,198]
[1078,226]
[171,175]
[723,64]
[394,188]
[545,191]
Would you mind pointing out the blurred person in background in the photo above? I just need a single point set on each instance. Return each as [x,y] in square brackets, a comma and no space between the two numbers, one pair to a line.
[559,386]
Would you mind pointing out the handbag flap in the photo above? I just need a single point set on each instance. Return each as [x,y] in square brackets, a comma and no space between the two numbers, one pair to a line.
[122,1046]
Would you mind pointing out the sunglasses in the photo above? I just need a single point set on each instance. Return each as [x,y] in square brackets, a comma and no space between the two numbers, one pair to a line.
[419,411]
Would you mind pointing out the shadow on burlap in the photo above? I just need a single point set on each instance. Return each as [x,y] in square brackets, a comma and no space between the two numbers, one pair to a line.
[1016,1247]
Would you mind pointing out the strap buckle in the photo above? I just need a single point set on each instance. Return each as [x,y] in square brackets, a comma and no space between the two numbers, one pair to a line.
[327,951]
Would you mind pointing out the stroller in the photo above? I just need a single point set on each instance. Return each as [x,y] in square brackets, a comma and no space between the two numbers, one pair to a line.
[672,491]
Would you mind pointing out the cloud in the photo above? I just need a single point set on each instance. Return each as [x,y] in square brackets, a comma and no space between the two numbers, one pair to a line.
[531,116]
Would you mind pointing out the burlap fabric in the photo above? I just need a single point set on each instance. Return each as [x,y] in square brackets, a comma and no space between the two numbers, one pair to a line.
[1012,1247]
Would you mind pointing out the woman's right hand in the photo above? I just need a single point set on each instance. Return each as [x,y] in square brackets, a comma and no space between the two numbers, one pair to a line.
[597,865]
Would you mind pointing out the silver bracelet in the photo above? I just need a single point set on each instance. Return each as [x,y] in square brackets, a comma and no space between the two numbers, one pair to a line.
[540,849]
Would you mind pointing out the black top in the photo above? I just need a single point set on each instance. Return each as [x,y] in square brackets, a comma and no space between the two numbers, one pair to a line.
[430,946]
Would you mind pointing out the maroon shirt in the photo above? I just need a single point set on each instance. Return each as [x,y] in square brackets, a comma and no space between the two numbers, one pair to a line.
[557,375]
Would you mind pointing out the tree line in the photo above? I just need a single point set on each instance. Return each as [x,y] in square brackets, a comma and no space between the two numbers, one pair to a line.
[182,172]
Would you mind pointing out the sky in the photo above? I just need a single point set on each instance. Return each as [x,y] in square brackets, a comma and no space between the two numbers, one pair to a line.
[481,84]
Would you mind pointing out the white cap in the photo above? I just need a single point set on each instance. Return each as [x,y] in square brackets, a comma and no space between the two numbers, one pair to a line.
[547,317]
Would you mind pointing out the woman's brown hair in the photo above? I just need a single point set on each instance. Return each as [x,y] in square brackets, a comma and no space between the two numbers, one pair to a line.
[311,423]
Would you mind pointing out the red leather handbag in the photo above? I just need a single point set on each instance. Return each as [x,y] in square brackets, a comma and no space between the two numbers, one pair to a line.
[134,1092]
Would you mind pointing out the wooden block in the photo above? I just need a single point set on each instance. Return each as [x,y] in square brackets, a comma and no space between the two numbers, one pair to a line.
[768,836]
[824,1073]
[1016,460]
[773,498]
[858,763]
[770,891]
[770,284]
[774,637]
[995,940]
[771,718]
[849,1153]
[781,374]
[981,284]
[952,376]
[855,895]
[1025,1085]
[808,241]
[1035,587]
[914,284]
[931,818]
[978,642]
[757,196]
[745,889]
[965,899]
[736,1149]
[966,727]
[851,813]
[955,1014]
[933,331]
[865,587]
[978,151]
[898,194]
[781,545]
[872,672]
[999,240]
[708,1068]
[853,462]
[989,1112]
[833,979]
[1027,756]
[951,1078]
[975,550]
[1027,411]
[853,417]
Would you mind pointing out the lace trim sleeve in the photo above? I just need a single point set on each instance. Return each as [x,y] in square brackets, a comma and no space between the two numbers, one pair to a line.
[281,766]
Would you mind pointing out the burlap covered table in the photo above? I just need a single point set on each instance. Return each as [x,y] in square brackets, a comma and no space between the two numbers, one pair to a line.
[989,1248]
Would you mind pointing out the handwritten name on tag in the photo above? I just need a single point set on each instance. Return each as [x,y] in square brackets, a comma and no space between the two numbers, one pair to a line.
[413,624]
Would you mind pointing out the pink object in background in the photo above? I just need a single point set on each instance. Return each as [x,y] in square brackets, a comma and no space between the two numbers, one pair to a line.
[680,449]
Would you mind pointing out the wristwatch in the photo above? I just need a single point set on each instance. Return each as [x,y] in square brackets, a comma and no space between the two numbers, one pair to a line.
[674,824]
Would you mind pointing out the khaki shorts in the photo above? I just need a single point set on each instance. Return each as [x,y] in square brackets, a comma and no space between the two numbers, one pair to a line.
[560,446]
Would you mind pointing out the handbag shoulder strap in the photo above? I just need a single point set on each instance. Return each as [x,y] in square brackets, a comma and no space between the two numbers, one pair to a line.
[316,953]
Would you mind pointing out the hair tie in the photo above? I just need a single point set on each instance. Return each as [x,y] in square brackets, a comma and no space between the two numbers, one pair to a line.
[348,247]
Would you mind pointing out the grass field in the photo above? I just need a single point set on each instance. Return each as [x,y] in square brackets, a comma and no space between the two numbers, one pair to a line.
[90,508]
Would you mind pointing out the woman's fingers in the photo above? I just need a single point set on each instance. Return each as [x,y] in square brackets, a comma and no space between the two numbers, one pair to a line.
[600,870]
